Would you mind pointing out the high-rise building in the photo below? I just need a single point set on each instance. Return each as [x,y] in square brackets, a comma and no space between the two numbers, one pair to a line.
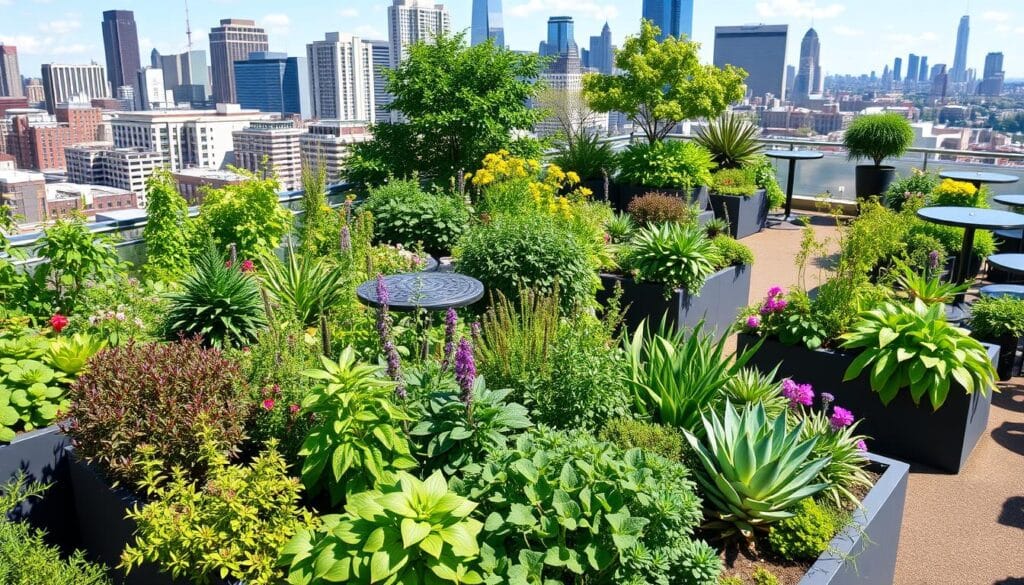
[940,81]
[602,53]
[673,17]
[808,77]
[34,91]
[563,82]
[560,36]
[275,143]
[25,193]
[488,22]
[100,163]
[913,64]
[232,41]
[273,83]
[154,59]
[993,75]
[341,77]
[121,45]
[924,74]
[328,142]
[10,75]
[959,72]
[410,21]
[38,142]
[187,76]
[152,95]
[381,61]
[760,50]
[897,70]
[63,82]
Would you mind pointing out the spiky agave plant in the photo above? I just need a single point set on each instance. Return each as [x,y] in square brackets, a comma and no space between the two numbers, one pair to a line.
[731,140]
[304,286]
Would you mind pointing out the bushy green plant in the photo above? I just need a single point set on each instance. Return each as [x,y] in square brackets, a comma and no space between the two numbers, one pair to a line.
[764,176]
[671,164]
[656,208]
[952,239]
[715,227]
[628,433]
[122,309]
[674,255]
[957,194]
[71,353]
[405,531]
[620,228]
[993,317]
[220,303]
[319,226]
[589,156]
[304,288]
[248,215]
[927,287]
[776,470]
[233,525]
[807,534]
[168,229]
[568,508]
[914,346]
[34,381]
[733,181]
[918,183]
[515,252]
[357,440]
[763,576]
[752,386]
[877,137]
[731,252]
[405,214]
[731,140]
[513,348]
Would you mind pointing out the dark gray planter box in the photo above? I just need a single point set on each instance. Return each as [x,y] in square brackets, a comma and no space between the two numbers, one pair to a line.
[41,456]
[627,193]
[942,439]
[864,553]
[746,215]
[724,293]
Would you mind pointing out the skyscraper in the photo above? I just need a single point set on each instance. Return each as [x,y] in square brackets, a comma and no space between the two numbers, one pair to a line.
[923,74]
[121,45]
[10,75]
[808,77]
[152,95]
[381,61]
[959,71]
[602,53]
[940,81]
[992,79]
[561,35]
[341,76]
[232,41]
[63,82]
[897,70]
[187,76]
[273,83]
[154,59]
[913,63]
[758,49]
[487,22]
[673,17]
[410,21]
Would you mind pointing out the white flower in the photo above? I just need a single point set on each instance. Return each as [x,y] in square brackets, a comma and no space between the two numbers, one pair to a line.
[119,316]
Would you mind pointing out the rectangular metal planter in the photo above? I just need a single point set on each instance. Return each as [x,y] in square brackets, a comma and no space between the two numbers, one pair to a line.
[717,303]
[746,215]
[627,192]
[941,439]
[864,553]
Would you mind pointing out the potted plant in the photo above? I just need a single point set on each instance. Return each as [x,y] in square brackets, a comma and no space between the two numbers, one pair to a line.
[594,161]
[999,321]
[674,167]
[876,137]
[736,199]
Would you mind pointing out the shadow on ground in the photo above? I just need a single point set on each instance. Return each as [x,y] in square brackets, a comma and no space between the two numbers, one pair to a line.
[1013,512]
[1010,436]
[1010,397]
[1010,581]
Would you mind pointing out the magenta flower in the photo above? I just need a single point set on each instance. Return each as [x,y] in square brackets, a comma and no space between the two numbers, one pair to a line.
[861,445]
[294,409]
[465,371]
[798,394]
[841,418]
[58,322]
[248,266]
[268,404]
[753,321]
[775,291]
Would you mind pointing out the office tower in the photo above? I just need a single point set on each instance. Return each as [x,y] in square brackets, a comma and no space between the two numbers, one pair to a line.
[37,142]
[25,193]
[897,70]
[273,83]
[101,163]
[940,81]
[993,75]
[152,95]
[154,59]
[63,82]
[563,82]
[186,75]
[924,74]
[410,21]
[959,72]
[808,77]
[790,79]
[585,57]
[34,91]
[560,36]
[673,17]
[913,63]
[232,41]
[602,53]
[760,50]
[381,61]
[487,23]
[327,143]
[278,143]
[341,77]
[10,75]
[121,45]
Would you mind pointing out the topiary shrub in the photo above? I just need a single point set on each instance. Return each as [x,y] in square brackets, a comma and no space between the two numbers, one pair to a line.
[877,137]
[650,437]
[732,252]
[668,164]
[404,214]
[160,395]
[654,208]
[807,534]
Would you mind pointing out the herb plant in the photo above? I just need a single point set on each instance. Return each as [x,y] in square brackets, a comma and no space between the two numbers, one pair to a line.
[404,214]
[671,164]
[674,255]
[807,534]
[168,229]
[877,137]
[588,155]
[248,215]
[735,182]
[994,317]
[304,288]
[627,433]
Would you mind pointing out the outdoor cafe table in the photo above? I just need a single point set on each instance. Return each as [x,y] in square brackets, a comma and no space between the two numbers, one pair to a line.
[971,219]
[1008,262]
[1015,201]
[792,156]
[979,178]
[432,291]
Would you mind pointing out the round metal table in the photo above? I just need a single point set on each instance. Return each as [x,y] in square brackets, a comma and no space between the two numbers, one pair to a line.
[971,219]
[979,178]
[1008,262]
[433,291]
[1013,201]
[792,156]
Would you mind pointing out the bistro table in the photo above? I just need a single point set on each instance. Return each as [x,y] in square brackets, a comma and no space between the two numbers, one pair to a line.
[971,219]
[1015,201]
[978,178]
[1008,262]
[433,291]
[792,156]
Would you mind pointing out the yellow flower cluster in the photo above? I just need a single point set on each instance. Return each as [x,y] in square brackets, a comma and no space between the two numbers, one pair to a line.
[956,188]
[550,188]
[502,166]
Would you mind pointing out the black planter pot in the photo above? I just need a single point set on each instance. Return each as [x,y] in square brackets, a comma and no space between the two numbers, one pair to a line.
[1007,344]
[942,439]
[872,180]
[864,553]
[627,193]
[746,215]
[717,303]
[41,455]
[597,187]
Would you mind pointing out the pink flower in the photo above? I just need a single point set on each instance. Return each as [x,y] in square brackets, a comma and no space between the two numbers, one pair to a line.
[248,266]
[775,291]
[841,418]
[862,445]
[753,321]
[294,408]
[268,404]
[58,322]
[798,394]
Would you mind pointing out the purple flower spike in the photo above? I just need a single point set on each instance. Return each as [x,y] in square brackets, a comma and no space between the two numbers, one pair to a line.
[382,291]
[465,371]
[841,418]
[933,259]
[346,240]
[827,399]
[861,445]
[451,320]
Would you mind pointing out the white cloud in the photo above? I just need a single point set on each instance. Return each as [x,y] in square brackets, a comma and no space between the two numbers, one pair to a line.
[798,9]
[585,8]
[996,16]
[60,26]
[44,45]
[367,31]
[348,13]
[847,31]
[277,24]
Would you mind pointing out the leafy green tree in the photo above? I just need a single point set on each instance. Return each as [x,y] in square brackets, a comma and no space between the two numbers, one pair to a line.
[458,104]
[318,226]
[663,84]
[248,215]
[167,229]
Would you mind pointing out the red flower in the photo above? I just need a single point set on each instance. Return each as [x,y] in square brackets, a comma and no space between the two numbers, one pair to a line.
[58,322]
[293,408]
[248,266]
[268,404]
[227,264]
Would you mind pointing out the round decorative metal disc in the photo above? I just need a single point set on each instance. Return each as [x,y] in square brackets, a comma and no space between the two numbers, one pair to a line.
[433,291]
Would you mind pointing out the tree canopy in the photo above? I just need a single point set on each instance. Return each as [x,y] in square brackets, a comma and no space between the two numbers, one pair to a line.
[663,83]
[168,229]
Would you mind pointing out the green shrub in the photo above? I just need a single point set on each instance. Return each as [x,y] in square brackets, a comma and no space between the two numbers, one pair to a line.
[731,140]
[807,534]
[669,164]
[404,214]
[248,215]
[671,254]
[751,386]
[731,252]
[765,178]
[122,309]
[730,581]
[304,288]
[516,252]
[32,389]
[997,316]
[167,231]
[620,228]
[588,155]
[763,576]
[736,182]
[319,226]
[877,137]
[655,208]
[628,433]
[716,226]
[918,183]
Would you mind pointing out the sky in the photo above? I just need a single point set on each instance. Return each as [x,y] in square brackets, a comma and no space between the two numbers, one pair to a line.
[857,36]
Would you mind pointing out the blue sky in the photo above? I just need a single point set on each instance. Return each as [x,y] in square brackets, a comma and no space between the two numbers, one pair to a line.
[856,35]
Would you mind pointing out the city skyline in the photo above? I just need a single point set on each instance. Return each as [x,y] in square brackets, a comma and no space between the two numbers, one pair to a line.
[63,31]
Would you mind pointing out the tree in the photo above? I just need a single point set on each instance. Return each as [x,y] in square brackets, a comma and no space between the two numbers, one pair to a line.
[167,230]
[663,84]
[248,215]
[569,111]
[318,226]
[458,103]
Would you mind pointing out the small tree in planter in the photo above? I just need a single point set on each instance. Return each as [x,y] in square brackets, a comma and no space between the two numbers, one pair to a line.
[877,137]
